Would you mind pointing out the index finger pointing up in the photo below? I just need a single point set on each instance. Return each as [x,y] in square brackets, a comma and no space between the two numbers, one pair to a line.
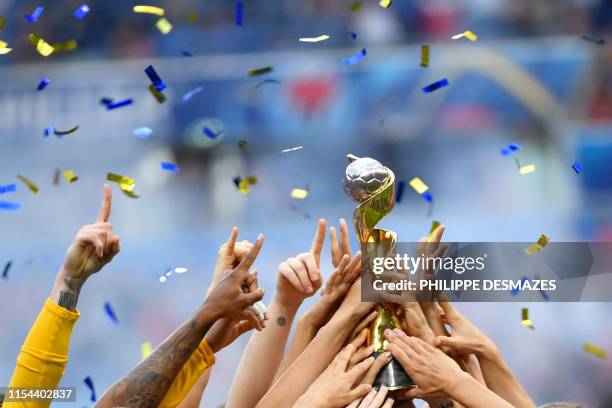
[105,208]
[249,259]
[319,239]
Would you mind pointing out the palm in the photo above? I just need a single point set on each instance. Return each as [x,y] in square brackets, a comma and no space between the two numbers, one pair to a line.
[82,262]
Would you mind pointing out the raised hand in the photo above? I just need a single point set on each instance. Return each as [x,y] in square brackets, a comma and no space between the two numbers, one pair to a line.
[341,248]
[224,332]
[229,256]
[300,277]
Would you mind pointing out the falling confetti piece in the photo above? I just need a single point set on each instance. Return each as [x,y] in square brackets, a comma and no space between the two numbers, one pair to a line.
[385,3]
[142,132]
[89,382]
[8,188]
[577,167]
[244,184]
[529,168]
[259,71]
[191,93]
[4,49]
[163,25]
[65,132]
[42,47]
[315,39]
[9,206]
[65,46]
[33,187]
[186,54]
[170,167]
[510,149]
[2,23]
[180,270]
[424,56]
[467,34]
[355,6]
[418,185]
[81,11]
[155,78]
[599,41]
[400,191]
[44,81]
[436,85]
[239,13]
[7,267]
[70,176]
[427,197]
[146,349]
[110,313]
[193,17]
[525,321]
[292,149]
[434,226]
[353,35]
[267,81]
[49,130]
[126,184]
[211,134]
[114,105]
[597,351]
[158,11]
[159,96]
[242,144]
[56,177]
[355,58]
[538,246]
[32,18]
[517,290]
[299,193]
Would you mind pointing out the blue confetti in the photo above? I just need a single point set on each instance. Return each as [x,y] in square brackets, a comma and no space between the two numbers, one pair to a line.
[8,188]
[510,149]
[81,11]
[545,295]
[353,35]
[515,292]
[170,167]
[89,382]
[9,206]
[427,196]
[436,85]
[577,167]
[186,54]
[44,81]
[239,13]
[155,79]
[209,133]
[49,130]
[190,94]
[114,105]
[34,16]
[110,313]
[400,191]
[6,269]
[142,132]
[355,58]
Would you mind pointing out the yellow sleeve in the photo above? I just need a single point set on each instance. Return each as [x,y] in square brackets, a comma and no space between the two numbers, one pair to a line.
[201,359]
[44,353]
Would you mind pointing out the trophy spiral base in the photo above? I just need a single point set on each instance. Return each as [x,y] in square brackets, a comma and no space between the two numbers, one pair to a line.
[392,376]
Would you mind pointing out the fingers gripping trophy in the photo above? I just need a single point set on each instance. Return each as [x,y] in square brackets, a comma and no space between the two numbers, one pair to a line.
[371,184]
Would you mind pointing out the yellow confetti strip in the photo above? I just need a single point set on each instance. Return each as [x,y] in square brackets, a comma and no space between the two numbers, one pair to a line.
[163,25]
[193,17]
[2,23]
[158,11]
[434,225]
[4,48]
[529,168]
[244,184]
[126,184]
[160,97]
[65,46]
[538,246]
[33,187]
[355,6]
[315,39]
[593,349]
[42,47]
[424,56]
[467,34]
[70,176]
[299,193]
[418,185]
[385,3]
[146,349]
[259,71]
[525,321]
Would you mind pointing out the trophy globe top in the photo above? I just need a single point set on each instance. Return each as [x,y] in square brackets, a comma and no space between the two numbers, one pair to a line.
[364,177]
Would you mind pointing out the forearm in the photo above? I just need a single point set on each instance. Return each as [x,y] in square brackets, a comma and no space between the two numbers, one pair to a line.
[304,333]
[262,357]
[309,365]
[66,290]
[471,394]
[147,384]
[500,380]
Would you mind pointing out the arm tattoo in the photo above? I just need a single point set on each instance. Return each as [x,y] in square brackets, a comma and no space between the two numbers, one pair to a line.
[281,320]
[68,299]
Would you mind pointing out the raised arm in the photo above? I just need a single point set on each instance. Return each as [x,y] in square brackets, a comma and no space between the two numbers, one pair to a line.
[147,384]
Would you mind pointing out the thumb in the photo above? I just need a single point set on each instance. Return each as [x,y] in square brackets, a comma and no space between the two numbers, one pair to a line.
[413,393]
[254,296]
[445,341]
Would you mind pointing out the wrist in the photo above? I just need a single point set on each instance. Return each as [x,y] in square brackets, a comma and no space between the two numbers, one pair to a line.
[487,350]
[457,385]
[285,306]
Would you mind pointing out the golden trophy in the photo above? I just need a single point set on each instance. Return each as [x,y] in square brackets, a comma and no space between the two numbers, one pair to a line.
[371,184]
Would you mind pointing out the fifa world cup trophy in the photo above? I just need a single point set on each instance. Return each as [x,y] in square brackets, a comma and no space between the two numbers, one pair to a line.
[371,184]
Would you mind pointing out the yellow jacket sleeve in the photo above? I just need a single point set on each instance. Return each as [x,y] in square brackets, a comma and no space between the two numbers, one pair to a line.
[44,353]
[201,359]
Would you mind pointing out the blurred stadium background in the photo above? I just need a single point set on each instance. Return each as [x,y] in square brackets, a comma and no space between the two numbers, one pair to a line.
[529,79]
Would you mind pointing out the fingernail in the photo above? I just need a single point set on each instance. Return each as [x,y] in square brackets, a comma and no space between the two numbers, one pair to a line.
[387,355]
[388,332]
[398,331]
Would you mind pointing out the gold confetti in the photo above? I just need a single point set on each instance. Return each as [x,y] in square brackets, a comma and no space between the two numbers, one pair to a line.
[299,193]
[538,246]
[424,56]
[529,168]
[160,97]
[192,17]
[467,34]
[597,351]
[385,3]
[259,71]
[418,185]
[315,39]
[356,5]
[4,49]
[244,184]
[126,184]
[2,23]
[33,187]
[525,321]
[42,47]
[434,225]
[163,25]
[146,349]
[158,11]
[70,176]
[65,46]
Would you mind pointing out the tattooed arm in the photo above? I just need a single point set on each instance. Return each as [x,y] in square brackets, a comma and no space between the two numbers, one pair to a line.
[147,384]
